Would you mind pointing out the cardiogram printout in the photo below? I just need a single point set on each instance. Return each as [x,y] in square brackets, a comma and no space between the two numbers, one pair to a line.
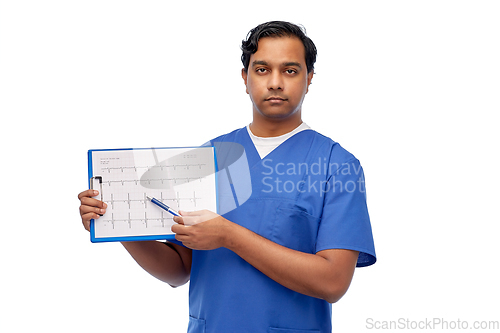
[182,178]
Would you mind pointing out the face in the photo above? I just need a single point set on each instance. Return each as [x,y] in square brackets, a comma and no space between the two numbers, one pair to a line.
[277,78]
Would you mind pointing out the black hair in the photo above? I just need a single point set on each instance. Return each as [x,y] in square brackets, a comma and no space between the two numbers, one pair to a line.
[277,29]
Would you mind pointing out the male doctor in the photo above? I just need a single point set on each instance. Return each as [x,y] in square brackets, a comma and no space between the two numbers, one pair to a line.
[276,262]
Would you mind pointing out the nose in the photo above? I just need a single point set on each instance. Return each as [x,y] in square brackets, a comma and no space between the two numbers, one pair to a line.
[275,81]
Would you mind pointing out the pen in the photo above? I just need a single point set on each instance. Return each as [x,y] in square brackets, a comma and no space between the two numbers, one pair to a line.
[163,206]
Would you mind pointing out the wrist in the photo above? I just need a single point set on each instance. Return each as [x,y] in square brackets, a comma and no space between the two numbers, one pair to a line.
[230,234]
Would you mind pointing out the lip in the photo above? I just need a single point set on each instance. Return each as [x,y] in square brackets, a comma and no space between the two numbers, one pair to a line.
[275,99]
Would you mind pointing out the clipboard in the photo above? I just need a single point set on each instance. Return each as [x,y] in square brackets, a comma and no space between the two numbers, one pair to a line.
[183,178]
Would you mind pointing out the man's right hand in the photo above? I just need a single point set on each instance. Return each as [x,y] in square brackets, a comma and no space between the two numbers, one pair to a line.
[90,208]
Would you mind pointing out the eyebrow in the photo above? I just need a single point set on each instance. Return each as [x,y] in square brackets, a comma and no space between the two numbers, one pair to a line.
[285,64]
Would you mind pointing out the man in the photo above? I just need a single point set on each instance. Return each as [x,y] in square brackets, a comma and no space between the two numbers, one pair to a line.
[276,262]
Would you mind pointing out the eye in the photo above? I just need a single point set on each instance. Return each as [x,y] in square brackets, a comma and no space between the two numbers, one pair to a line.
[290,71]
[260,70]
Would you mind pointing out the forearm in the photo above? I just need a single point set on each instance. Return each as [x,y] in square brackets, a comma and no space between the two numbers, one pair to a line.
[309,274]
[326,274]
[160,260]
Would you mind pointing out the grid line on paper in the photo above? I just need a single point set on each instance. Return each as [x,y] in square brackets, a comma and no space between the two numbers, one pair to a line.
[183,178]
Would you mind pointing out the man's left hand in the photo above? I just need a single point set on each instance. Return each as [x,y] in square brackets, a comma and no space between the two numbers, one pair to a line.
[201,230]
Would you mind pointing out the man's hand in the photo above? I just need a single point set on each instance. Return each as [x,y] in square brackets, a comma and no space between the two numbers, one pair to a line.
[90,208]
[201,230]
[326,274]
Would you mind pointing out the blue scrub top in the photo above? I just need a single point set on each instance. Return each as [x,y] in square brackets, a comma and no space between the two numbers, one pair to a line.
[308,195]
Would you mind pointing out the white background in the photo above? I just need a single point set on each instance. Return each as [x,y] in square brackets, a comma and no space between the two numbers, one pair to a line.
[409,87]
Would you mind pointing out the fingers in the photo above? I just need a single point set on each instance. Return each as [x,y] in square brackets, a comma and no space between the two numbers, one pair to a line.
[182,233]
[184,213]
[192,218]
[86,198]
[185,216]
[87,215]
[177,229]
[178,219]
[88,193]
[90,208]
[86,201]
[85,210]
[86,221]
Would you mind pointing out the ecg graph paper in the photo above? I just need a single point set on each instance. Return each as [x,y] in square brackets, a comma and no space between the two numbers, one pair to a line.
[182,178]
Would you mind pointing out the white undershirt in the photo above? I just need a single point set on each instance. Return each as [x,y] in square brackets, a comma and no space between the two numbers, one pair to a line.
[266,145]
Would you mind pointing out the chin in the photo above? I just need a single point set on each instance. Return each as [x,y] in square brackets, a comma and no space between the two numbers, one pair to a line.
[277,114]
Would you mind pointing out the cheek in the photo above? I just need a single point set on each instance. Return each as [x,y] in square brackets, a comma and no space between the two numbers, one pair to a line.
[255,86]
[249,87]
[252,90]
[301,91]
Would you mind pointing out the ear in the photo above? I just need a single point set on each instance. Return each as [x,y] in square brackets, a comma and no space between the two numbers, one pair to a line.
[244,75]
[309,79]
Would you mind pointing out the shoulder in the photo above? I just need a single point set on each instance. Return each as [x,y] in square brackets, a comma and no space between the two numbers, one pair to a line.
[328,148]
[229,137]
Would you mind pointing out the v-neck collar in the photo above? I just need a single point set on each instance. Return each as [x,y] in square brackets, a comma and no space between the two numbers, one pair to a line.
[250,150]
[253,156]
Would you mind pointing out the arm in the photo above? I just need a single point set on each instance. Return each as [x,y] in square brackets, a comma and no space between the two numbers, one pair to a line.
[326,274]
[169,262]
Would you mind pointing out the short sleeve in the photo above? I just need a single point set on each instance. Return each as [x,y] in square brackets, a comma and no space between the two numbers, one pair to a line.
[345,223]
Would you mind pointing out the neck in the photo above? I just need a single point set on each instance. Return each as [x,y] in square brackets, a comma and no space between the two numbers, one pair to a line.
[274,127]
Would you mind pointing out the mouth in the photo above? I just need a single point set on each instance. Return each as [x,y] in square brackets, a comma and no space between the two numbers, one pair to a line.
[275,99]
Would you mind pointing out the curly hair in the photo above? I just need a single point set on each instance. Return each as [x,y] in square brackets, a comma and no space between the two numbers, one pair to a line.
[277,29]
